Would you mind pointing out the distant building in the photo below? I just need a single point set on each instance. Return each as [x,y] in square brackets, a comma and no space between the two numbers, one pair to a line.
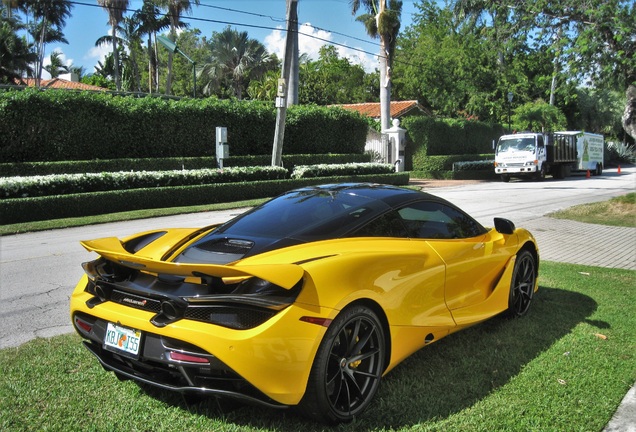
[398,109]
[59,83]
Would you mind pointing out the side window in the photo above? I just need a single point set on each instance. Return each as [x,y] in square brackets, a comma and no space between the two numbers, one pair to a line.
[540,140]
[433,220]
[387,225]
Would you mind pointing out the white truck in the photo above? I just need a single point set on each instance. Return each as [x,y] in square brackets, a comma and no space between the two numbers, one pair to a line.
[533,155]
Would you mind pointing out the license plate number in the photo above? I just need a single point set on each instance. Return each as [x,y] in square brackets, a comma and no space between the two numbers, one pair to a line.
[122,339]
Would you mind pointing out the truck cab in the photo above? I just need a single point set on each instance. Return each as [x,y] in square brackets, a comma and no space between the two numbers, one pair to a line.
[521,155]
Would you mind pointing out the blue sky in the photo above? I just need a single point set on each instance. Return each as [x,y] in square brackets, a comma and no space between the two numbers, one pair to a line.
[329,20]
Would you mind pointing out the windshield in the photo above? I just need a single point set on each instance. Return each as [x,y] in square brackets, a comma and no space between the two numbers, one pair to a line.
[515,144]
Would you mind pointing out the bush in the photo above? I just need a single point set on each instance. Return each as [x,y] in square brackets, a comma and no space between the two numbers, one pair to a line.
[166,164]
[87,204]
[445,163]
[312,171]
[20,187]
[434,137]
[57,125]
[479,165]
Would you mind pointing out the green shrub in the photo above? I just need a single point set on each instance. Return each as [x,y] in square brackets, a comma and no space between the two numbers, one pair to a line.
[61,184]
[474,165]
[87,204]
[434,137]
[311,171]
[445,163]
[60,125]
[166,164]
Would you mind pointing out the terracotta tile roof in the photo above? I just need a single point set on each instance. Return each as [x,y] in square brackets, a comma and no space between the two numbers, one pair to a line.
[57,83]
[398,108]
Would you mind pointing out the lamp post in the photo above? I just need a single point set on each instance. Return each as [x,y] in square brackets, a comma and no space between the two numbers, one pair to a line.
[171,46]
[510,95]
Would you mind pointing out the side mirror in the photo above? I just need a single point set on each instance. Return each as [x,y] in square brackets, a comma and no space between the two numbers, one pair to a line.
[504,226]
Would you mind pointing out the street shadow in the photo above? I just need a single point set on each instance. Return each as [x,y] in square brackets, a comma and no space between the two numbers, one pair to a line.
[439,380]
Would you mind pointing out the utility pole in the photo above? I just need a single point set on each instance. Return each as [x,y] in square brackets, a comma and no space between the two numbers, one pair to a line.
[283,82]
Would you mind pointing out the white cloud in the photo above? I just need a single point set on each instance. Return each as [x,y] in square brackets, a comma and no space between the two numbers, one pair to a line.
[311,39]
[96,54]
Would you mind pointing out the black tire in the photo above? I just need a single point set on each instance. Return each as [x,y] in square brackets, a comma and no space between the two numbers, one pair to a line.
[347,369]
[540,174]
[524,277]
[599,169]
[505,178]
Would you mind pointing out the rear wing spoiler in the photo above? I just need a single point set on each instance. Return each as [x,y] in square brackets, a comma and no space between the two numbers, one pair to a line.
[111,248]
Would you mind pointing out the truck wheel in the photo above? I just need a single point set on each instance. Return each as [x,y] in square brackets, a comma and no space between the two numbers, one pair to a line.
[599,169]
[540,174]
[505,178]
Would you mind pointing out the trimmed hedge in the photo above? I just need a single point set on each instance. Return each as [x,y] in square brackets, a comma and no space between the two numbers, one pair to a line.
[167,164]
[62,184]
[310,171]
[435,137]
[445,163]
[58,125]
[88,204]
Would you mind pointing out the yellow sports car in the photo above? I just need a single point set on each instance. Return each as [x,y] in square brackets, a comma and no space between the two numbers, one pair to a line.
[306,301]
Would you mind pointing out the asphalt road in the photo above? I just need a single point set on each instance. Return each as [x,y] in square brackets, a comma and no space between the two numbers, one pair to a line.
[39,270]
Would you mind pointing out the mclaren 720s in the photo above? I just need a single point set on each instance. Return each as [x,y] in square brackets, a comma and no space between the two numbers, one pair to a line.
[305,301]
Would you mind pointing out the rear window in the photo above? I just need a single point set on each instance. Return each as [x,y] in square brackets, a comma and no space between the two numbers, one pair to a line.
[306,213]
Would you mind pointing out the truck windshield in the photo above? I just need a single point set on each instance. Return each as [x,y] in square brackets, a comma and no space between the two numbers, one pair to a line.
[515,144]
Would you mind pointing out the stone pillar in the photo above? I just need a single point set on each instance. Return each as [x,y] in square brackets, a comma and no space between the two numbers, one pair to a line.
[397,137]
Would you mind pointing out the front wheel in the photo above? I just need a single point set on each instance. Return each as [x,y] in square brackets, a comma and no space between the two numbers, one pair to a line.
[347,369]
[505,178]
[540,174]
[524,278]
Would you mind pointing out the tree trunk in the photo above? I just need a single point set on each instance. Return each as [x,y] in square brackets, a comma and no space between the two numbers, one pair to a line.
[629,115]
[385,89]
[385,73]
[116,59]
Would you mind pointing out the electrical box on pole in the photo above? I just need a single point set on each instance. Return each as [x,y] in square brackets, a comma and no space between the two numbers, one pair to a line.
[222,147]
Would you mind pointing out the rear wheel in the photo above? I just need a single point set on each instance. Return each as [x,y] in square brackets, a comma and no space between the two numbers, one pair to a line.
[347,369]
[524,278]
[599,169]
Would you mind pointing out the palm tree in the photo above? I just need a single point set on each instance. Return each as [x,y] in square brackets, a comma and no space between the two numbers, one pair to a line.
[50,17]
[151,23]
[16,55]
[234,58]
[382,20]
[57,66]
[128,36]
[116,10]
[175,8]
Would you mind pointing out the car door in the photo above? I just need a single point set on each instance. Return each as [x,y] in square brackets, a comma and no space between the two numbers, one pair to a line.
[472,255]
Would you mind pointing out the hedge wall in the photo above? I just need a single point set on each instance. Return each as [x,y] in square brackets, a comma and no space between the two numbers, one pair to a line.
[87,204]
[434,137]
[166,164]
[56,125]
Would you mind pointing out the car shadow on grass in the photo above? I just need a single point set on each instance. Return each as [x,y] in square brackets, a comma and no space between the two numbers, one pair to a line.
[439,380]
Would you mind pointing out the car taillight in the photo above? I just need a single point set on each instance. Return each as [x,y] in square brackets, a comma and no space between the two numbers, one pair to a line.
[317,320]
[83,325]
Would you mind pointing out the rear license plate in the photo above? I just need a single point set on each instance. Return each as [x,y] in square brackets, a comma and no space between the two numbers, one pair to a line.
[122,339]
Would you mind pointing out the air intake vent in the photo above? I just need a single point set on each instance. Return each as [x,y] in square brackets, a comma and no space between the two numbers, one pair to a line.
[230,246]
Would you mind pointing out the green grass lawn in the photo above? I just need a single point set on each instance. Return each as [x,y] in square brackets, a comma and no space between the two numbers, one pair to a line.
[564,367]
[619,211]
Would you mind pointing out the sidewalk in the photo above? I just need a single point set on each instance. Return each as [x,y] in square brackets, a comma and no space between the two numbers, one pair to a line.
[567,241]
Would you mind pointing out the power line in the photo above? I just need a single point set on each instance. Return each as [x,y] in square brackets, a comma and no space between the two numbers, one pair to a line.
[255,26]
